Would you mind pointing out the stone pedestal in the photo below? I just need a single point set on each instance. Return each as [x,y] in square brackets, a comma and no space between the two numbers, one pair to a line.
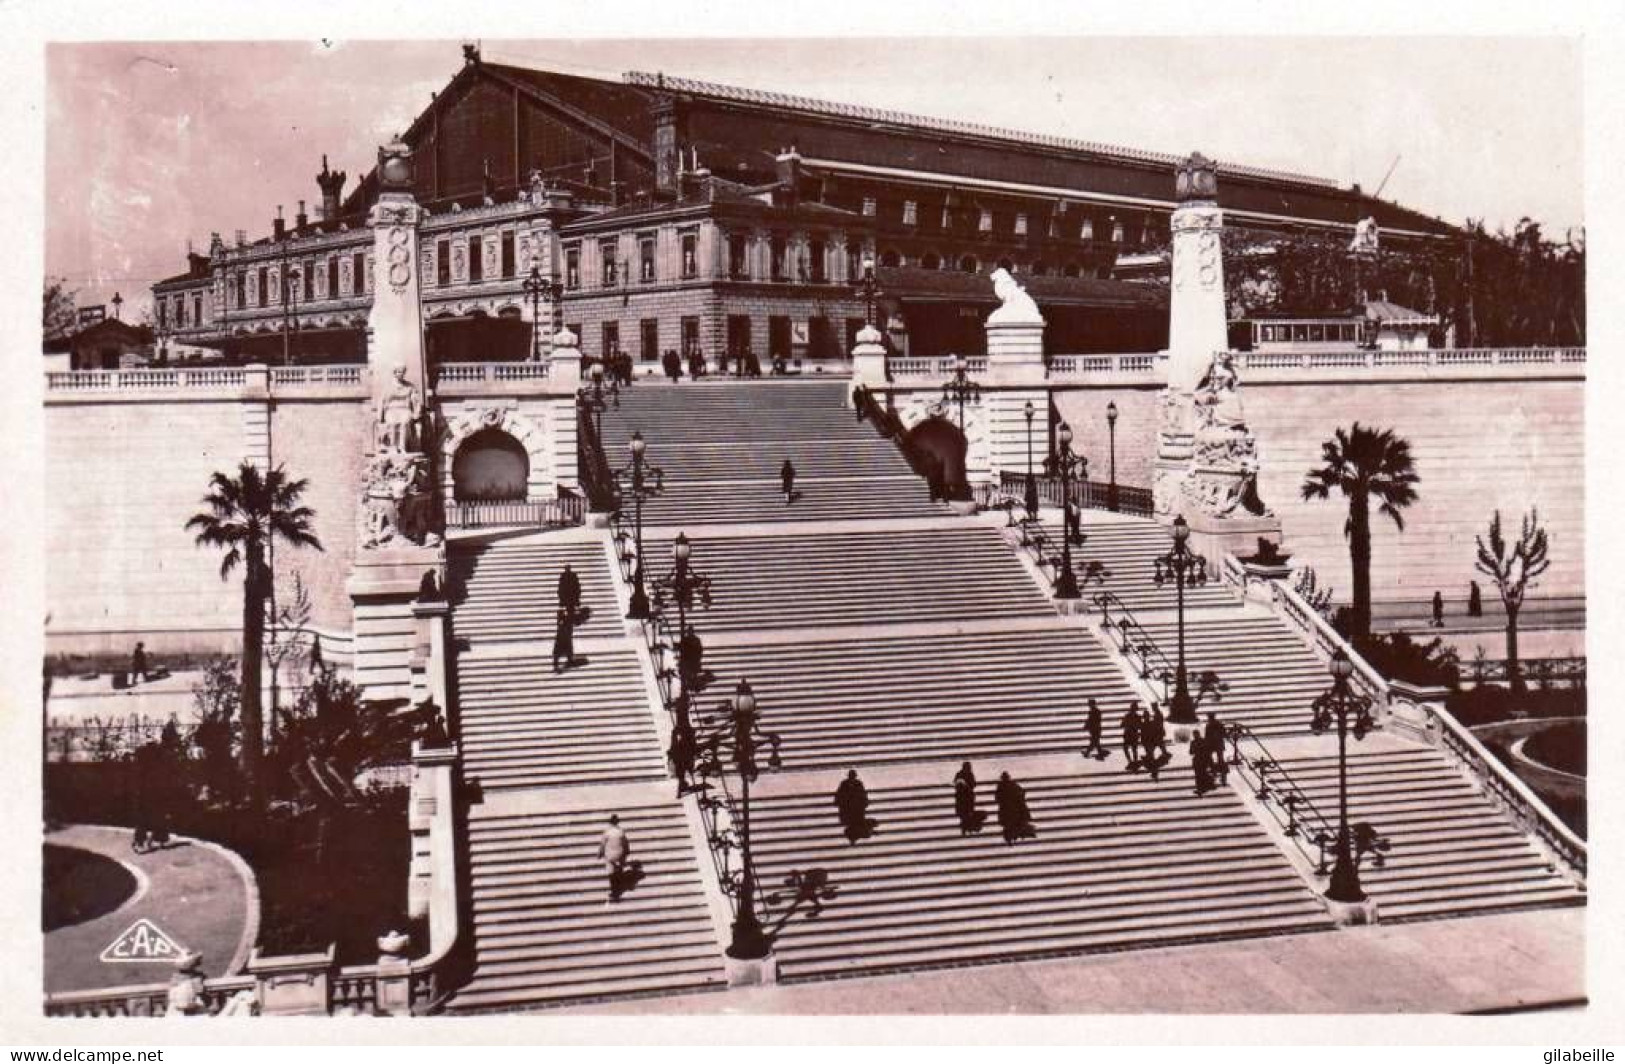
[1015,352]
[297,984]
[1408,714]
[1212,537]
[869,359]
[762,972]
[394,975]
[383,588]
[1351,914]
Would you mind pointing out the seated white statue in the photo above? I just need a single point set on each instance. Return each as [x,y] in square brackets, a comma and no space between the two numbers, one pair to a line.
[1015,305]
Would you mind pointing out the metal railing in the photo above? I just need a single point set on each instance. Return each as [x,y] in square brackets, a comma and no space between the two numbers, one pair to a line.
[1279,793]
[592,465]
[1090,494]
[1133,641]
[562,512]
[1541,672]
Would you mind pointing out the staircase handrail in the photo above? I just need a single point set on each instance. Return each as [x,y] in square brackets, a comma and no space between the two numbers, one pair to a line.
[890,426]
[1133,640]
[597,479]
[1515,796]
[1297,612]
[1278,792]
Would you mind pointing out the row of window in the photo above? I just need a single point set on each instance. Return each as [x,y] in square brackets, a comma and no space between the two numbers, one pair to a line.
[989,221]
[1305,332]
[475,247]
[612,270]
[298,282]
[178,313]
[784,334]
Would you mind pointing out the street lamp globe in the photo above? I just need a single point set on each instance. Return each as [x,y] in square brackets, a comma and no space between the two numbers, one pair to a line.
[1341,667]
[598,373]
[745,698]
[1029,410]
[1182,531]
[1065,435]
[868,264]
[1111,413]
[637,445]
[680,549]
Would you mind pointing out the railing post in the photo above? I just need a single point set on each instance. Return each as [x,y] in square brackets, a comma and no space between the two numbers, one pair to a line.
[394,985]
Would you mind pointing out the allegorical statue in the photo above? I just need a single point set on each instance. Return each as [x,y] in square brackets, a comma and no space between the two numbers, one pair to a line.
[1367,237]
[1218,397]
[399,408]
[1015,305]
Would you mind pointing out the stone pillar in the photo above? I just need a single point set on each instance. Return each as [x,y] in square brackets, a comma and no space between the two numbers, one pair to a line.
[395,544]
[256,412]
[869,359]
[564,380]
[394,987]
[293,985]
[1015,377]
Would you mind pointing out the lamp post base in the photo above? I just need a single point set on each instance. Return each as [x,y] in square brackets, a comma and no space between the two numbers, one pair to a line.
[1351,913]
[638,607]
[751,971]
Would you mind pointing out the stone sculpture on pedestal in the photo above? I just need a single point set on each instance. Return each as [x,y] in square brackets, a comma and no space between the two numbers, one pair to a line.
[1224,453]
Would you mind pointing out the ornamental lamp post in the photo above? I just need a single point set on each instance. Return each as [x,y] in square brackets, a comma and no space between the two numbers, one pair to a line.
[638,608]
[1182,566]
[870,289]
[682,585]
[534,286]
[1031,493]
[960,390]
[1111,430]
[1066,581]
[1350,712]
[741,734]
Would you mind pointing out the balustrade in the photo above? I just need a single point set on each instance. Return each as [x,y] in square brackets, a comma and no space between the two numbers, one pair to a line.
[563,512]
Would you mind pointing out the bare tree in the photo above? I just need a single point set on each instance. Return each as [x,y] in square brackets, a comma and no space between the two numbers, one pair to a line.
[285,637]
[1514,571]
[59,313]
[1308,588]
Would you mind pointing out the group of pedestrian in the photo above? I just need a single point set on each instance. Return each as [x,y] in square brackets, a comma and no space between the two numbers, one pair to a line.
[1009,806]
[1145,739]
[618,367]
[696,363]
[565,620]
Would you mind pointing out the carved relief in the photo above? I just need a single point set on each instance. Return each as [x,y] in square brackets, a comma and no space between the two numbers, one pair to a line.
[457,263]
[396,503]
[399,257]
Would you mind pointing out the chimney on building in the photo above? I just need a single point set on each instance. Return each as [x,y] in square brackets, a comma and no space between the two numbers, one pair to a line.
[242,238]
[788,167]
[331,183]
[300,221]
[279,228]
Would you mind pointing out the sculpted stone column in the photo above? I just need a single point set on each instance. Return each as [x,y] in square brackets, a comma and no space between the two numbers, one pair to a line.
[395,323]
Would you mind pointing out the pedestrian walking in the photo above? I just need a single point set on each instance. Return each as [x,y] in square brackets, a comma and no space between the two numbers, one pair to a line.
[852,805]
[1092,725]
[1156,736]
[564,644]
[681,751]
[1213,735]
[1438,609]
[1015,819]
[138,664]
[1131,737]
[570,591]
[672,365]
[613,849]
[1475,600]
[690,659]
[965,800]
[1201,764]
[787,478]
[1074,523]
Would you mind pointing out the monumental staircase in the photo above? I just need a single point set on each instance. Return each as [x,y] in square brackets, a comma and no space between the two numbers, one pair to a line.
[883,631]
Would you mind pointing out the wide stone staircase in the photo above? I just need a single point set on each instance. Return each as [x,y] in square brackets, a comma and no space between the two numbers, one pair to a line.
[1452,851]
[1126,547]
[544,930]
[881,631]
[1117,862]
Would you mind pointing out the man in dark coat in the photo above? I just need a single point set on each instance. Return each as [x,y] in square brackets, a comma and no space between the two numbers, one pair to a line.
[564,646]
[673,365]
[570,592]
[852,804]
[696,364]
[1014,817]
[753,364]
[138,664]
[1092,724]
[1131,736]
[1201,764]
[1074,523]
[681,752]
[1154,737]
[965,800]
[690,659]
[1213,736]
[1438,609]
[787,478]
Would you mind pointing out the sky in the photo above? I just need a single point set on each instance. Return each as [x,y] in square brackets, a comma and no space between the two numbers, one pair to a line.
[149,144]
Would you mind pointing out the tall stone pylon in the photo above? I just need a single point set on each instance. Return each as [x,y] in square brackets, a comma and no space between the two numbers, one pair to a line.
[398,535]
[1196,323]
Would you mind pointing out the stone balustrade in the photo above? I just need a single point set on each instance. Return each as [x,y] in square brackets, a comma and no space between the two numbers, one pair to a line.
[460,372]
[934,366]
[149,381]
[1115,365]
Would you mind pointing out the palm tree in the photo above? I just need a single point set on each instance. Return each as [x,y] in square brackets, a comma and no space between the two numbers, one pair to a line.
[246,514]
[1364,463]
